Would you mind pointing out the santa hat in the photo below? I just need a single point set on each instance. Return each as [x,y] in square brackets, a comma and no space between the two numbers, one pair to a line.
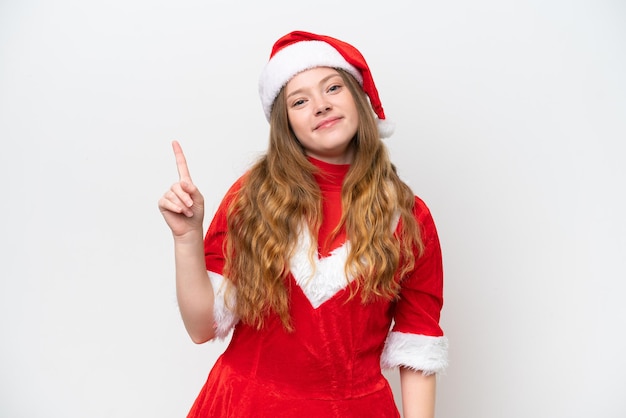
[299,51]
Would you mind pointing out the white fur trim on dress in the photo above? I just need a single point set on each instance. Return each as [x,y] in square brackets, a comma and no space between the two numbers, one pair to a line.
[418,352]
[294,59]
[321,278]
[223,317]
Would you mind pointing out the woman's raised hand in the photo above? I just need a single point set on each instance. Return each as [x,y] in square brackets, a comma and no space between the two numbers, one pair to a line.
[182,205]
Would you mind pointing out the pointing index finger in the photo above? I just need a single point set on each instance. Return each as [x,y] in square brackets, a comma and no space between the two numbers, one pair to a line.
[181,162]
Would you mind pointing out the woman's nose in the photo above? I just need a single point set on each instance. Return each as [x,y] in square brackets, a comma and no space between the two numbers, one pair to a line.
[322,107]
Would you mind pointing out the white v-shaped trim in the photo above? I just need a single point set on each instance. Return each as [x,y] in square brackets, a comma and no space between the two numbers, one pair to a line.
[320,278]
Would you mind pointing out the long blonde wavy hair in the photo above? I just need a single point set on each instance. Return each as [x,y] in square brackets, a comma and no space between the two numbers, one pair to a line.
[279,196]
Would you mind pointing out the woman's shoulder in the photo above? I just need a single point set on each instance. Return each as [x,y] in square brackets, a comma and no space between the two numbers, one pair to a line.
[424,218]
[420,208]
[237,185]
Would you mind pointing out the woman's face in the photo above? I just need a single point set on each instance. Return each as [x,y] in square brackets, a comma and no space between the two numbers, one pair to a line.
[322,114]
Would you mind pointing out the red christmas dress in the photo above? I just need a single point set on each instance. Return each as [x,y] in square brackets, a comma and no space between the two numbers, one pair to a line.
[330,365]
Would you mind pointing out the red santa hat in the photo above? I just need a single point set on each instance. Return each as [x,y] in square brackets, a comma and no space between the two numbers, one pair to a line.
[299,51]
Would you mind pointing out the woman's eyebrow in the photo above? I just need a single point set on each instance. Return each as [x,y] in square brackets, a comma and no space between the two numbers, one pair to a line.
[322,81]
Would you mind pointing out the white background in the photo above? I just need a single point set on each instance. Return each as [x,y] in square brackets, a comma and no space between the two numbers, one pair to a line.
[510,124]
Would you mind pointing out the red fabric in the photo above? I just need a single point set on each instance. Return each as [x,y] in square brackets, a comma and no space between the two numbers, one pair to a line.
[421,296]
[329,367]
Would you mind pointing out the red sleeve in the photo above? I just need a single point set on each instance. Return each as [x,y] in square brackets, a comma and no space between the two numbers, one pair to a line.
[421,296]
[216,234]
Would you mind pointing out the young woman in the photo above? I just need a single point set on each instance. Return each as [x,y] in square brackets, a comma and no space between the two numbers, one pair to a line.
[321,259]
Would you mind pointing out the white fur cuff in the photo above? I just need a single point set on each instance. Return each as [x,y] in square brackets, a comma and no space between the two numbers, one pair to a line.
[224,318]
[418,352]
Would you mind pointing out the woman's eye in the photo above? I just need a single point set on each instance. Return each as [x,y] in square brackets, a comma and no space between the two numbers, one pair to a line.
[298,102]
[334,87]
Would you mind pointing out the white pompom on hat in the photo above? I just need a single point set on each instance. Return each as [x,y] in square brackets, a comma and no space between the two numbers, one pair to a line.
[299,51]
